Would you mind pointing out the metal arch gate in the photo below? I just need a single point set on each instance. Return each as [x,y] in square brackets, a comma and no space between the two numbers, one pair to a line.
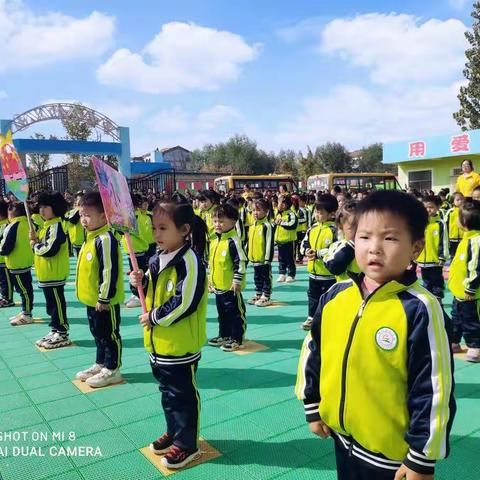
[53,179]
[156,182]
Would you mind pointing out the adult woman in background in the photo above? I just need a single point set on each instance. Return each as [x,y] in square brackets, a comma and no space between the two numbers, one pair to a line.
[468,180]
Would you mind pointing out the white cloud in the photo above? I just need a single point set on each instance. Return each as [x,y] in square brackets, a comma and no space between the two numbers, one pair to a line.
[356,116]
[120,112]
[29,40]
[178,120]
[3,94]
[398,48]
[182,56]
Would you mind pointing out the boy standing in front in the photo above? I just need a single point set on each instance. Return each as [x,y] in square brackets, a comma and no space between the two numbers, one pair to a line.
[100,288]
[376,370]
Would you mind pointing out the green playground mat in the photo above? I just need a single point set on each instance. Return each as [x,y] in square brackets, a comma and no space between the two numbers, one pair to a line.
[249,412]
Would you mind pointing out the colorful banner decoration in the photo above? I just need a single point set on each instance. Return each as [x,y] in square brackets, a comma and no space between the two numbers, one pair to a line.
[116,199]
[12,168]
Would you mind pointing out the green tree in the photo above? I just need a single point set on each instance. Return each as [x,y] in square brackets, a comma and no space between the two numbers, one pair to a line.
[287,161]
[370,160]
[333,158]
[79,168]
[38,162]
[307,166]
[468,116]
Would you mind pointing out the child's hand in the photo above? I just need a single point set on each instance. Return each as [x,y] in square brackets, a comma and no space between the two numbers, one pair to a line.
[278,220]
[145,320]
[210,288]
[32,236]
[311,254]
[136,278]
[469,296]
[102,307]
[236,288]
[405,472]
[320,428]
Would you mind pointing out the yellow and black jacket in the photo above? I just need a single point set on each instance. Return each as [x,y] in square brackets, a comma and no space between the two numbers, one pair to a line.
[37,220]
[286,231]
[319,238]
[227,261]
[15,246]
[260,242]
[464,274]
[455,233]
[436,244]
[100,269]
[140,238]
[176,298]
[74,228]
[378,372]
[302,225]
[207,217]
[52,265]
[340,259]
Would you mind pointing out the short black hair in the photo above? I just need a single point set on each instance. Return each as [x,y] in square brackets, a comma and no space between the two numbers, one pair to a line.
[92,199]
[3,209]
[225,211]
[327,202]
[234,202]
[469,215]
[286,199]
[435,199]
[54,200]
[397,203]
[17,208]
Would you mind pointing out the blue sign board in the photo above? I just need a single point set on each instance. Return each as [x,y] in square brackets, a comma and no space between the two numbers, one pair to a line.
[427,148]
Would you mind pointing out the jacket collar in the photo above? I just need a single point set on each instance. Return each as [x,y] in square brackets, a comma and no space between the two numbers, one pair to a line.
[21,218]
[98,231]
[409,277]
[225,235]
[471,233]
[52,221]
[176,259]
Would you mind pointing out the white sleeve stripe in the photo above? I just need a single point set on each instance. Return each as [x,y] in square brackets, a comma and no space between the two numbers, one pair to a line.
[420,456]
[419,462]
[53,232]
[189,286]
[310,405]
[436,444]
[107,265]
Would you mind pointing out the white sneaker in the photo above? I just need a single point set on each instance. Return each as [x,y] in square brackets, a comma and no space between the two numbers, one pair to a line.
[253,300]
[133,302]
[57,340]
[22,319]
[89,372]
[14,317]
[307,324]
[289,279]
[263,302]
[473,355]
[105,377]
[281,278]
[41,341]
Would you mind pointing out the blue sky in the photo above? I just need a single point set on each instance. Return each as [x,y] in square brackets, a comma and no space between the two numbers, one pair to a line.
[288,74]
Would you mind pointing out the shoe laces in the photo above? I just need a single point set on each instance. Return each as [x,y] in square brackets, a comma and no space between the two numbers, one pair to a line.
[163,437]
[177,452]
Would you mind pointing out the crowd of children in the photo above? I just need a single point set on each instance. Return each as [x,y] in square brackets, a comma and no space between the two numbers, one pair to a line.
[371,325]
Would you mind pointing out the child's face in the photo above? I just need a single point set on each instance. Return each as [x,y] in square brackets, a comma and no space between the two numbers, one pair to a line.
[321,215]
[166,233]
[475,196]
[258,212]
[384,247]
[281,206]
[144,206]
[46,212]
[205,204]
[431,208]
[91,219]
[223,224]
[458,200]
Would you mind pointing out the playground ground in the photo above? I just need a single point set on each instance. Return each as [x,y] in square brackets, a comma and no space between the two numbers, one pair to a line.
[249,412]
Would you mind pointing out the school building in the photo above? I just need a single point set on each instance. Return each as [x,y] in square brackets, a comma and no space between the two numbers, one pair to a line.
[433,163]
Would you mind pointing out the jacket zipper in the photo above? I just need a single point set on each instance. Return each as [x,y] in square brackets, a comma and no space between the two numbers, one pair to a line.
[214,255]
[345,362]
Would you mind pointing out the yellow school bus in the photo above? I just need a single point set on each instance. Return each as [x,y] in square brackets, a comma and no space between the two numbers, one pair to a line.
[353,181]
[256,182]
